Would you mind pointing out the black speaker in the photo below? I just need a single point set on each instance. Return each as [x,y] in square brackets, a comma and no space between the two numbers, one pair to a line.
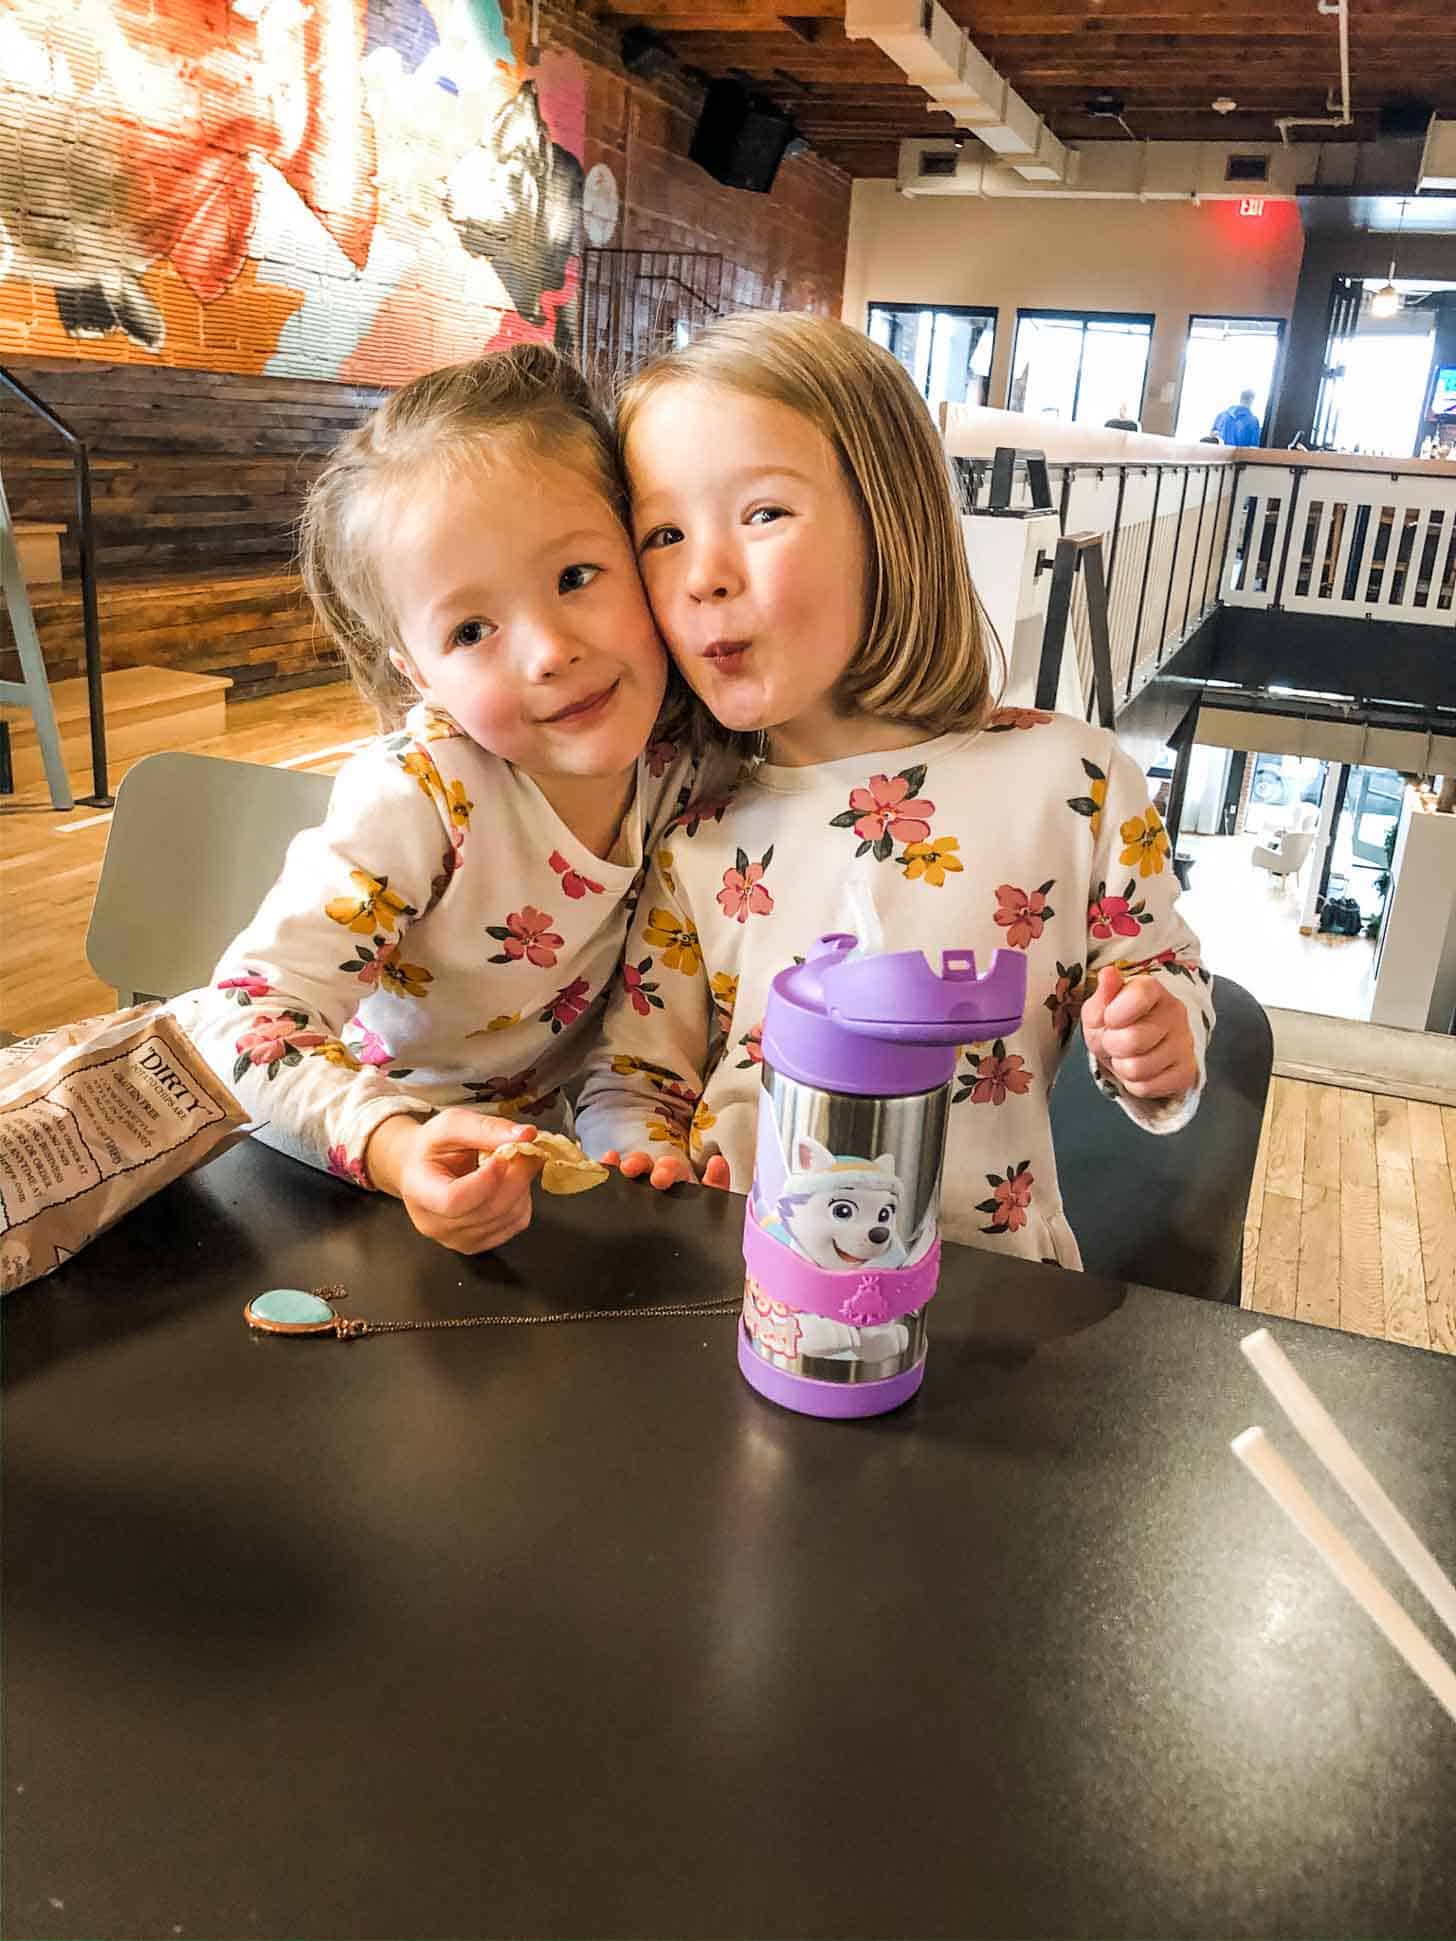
[645,54]
[740,139]
[1404,115]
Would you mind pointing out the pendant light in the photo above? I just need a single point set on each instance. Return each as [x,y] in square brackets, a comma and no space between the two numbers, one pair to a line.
[1386,301]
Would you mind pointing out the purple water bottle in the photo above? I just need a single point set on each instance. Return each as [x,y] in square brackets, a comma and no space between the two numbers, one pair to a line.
[840,1238]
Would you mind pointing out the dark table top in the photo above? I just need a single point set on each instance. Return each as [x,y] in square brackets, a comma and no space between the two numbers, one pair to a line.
[563,1631]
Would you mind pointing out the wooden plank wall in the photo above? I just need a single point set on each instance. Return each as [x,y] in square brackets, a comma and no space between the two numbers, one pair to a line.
[198,478]
[155,408]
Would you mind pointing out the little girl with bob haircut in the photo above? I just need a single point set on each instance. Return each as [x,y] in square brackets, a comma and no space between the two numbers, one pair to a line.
[433,962]
[799,540]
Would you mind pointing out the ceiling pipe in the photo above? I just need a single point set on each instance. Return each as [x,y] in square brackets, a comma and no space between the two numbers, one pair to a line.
[934,52]
[1344,118]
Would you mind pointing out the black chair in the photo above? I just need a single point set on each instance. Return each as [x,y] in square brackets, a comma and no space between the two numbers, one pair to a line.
[1168,1210]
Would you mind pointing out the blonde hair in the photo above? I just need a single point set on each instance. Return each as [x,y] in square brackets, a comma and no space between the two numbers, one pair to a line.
[528,397]
[923,657]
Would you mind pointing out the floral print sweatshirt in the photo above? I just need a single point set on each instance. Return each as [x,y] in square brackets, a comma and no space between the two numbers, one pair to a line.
[441,939]
[1034,835]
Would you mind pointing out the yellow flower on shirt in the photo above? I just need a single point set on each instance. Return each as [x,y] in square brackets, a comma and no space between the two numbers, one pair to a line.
[678,942]
[337,1053]
[1145,843]
[377,907]
[663,1130]
[458,805]
[932,860]
[422,767]
[404,980]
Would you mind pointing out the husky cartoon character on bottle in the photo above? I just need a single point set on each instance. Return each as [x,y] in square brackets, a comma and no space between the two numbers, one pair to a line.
[840,1238]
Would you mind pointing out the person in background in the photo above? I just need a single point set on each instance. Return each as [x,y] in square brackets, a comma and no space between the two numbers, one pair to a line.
[1123,422]
[1238,425]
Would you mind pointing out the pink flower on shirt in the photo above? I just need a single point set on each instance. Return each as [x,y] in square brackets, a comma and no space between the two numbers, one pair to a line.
[660,756]
[1023,915]
[887,807]
[343,1167]
[1010,1197]
[526,933]
[573,882]
[567,1005]
[640,989]
[372,1050]
[1109,916]
[245,988]
[743,894]
[273,1041]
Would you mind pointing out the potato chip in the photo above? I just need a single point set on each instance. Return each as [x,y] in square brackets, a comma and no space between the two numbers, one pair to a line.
[567,1168]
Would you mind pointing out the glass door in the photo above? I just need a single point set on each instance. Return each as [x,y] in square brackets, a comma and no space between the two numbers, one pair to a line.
[1087,367]
[946,349]
[1223,358]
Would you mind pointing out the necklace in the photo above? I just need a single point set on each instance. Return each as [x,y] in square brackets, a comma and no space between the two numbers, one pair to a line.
[292,1310]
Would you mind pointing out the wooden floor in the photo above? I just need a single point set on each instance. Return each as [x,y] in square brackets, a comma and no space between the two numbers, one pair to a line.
[49,863]
[1352,1214]
[1352,1217]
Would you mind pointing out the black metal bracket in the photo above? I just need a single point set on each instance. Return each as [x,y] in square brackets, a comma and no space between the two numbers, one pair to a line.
[1003,481]
[1077,550]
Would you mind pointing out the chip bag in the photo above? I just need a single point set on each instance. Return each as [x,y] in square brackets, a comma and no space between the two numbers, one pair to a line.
[95,1118]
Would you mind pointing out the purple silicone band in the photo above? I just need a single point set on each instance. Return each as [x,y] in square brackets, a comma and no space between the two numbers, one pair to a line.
[841,1401]
[859,1300]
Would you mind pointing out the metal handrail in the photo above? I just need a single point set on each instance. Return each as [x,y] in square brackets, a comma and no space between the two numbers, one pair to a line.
[99,798]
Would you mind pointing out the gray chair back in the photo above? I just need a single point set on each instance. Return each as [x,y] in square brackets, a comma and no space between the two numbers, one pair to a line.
[196,843]
[1168,1209]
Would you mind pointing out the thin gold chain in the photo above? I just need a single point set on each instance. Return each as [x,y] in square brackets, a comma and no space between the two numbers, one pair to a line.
[352,1327]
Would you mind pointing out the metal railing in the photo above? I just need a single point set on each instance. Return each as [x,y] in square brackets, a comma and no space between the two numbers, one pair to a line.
[1351,544]
[86,548]
[636,303]
[1163,528]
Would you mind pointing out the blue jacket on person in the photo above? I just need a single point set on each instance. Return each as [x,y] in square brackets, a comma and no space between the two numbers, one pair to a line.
[1236,426]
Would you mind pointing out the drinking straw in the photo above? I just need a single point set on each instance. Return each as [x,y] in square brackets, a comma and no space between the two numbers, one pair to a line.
[1263,1461]
[1320,1431]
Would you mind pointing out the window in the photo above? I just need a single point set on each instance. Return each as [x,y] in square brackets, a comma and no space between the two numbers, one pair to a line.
[947,350]
[1224,357]
[1082,367]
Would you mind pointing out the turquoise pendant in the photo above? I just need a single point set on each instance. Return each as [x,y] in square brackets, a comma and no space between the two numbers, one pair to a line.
[289,1310]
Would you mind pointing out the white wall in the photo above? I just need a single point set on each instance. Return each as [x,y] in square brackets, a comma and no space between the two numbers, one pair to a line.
[1171,258]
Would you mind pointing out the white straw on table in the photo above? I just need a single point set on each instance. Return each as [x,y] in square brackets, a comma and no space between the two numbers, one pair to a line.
[1318,1427]
[1259,1456]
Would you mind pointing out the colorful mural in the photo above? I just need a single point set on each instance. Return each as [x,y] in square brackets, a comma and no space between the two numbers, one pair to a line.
[354,189]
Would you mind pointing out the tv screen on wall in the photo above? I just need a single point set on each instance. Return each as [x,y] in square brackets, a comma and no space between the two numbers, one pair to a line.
[1443,393]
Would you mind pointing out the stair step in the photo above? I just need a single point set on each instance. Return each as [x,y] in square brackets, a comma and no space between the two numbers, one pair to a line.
[39,546]
[147,709]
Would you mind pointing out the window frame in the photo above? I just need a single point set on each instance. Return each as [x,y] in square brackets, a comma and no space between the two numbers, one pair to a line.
[1061,314]
[991,311]
[1276,380]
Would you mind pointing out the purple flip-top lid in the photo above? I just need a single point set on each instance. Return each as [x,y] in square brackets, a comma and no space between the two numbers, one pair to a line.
[886,1025]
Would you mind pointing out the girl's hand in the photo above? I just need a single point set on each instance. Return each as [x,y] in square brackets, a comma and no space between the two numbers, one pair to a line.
[452,1190]
[668,1169]
[1139,1032]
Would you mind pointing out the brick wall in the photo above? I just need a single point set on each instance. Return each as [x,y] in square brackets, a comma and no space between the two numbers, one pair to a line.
[224,190]
[262,375]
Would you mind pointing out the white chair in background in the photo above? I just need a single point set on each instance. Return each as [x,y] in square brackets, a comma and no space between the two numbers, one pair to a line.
[1285,855]
[195,845]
